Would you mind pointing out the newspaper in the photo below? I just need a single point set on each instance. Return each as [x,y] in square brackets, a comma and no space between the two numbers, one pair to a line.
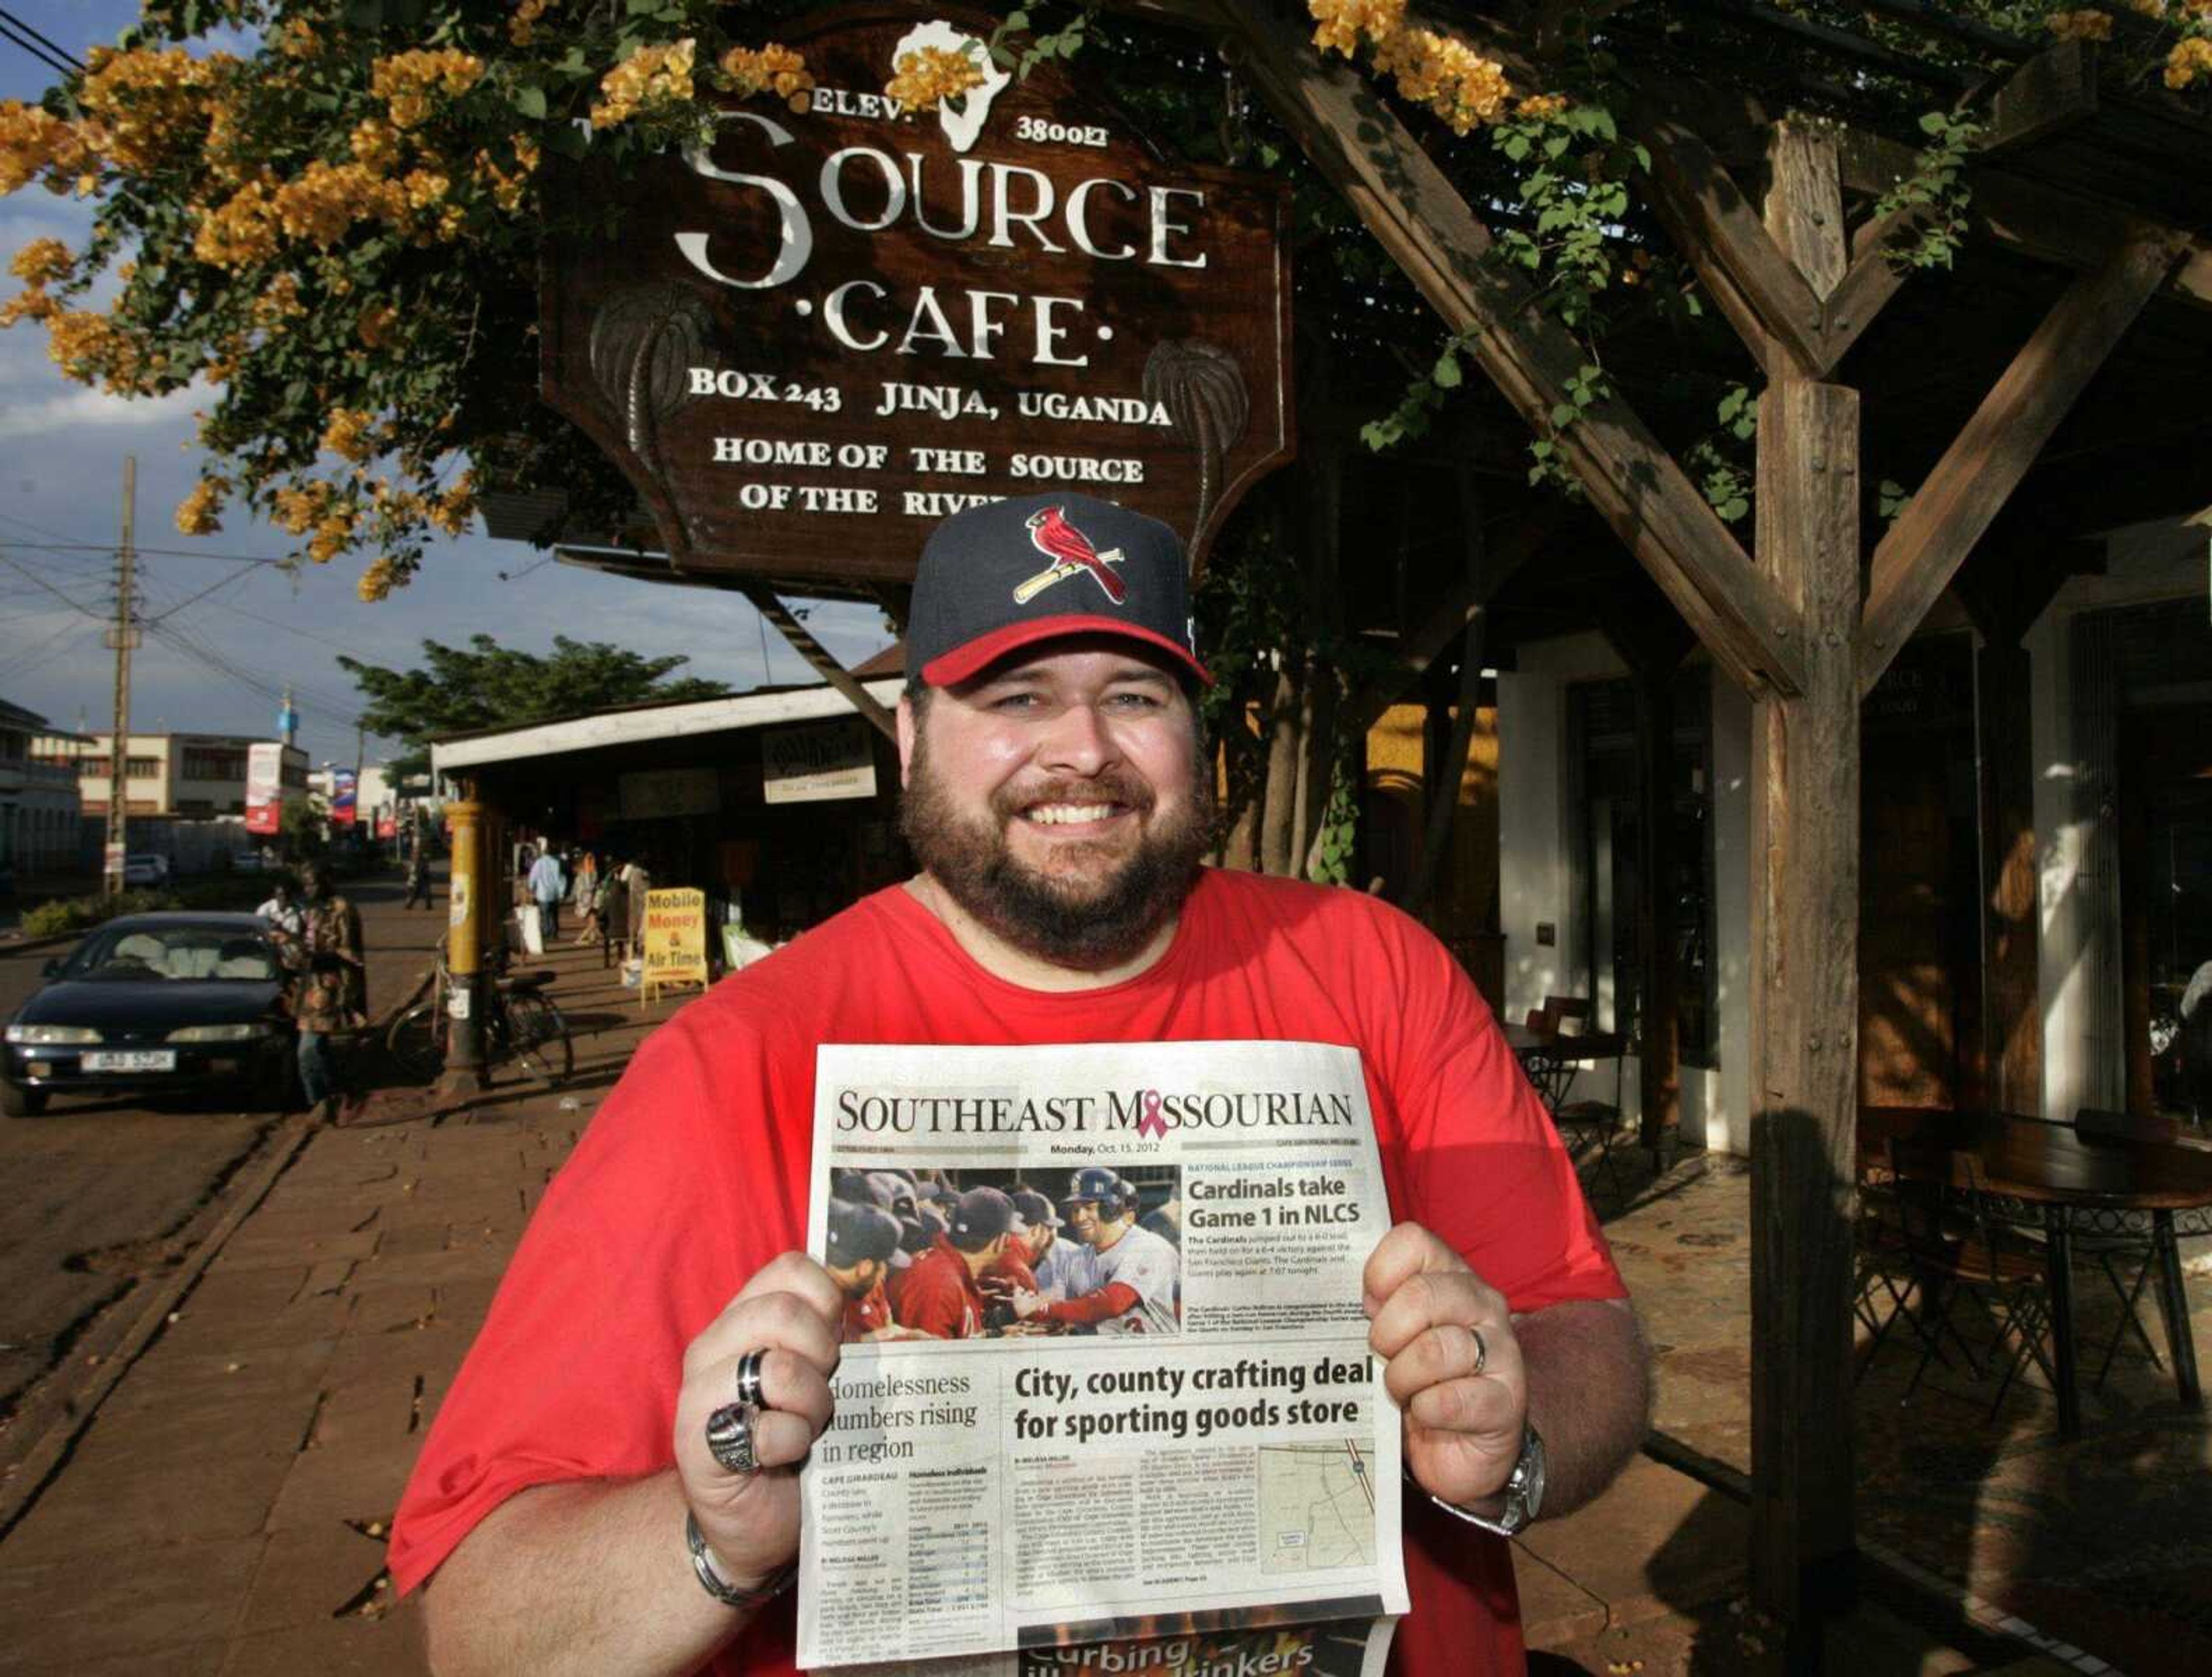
[1210,1455]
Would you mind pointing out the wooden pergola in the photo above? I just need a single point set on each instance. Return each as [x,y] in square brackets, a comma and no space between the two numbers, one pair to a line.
[2047,379]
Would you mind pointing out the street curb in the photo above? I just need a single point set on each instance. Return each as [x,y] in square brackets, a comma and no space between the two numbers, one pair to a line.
[30,1476]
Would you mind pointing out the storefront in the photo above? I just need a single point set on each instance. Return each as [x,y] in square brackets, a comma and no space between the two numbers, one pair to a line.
[780,804]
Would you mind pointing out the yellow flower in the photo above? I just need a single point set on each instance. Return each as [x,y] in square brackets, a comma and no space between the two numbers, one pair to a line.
[773,67]
[522,28]
[1539,106]
[351,433]
[35,145]
[378,580]
[299,40]
[240,231]
[2189,62]
[375,145]
[33,304]
[197,514]
[42,262]
[650,75]
[2087,24]
[930,74]
[1339,24]
[1449,77]
[407,81]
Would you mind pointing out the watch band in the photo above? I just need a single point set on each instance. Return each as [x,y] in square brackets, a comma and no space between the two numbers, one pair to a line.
[703,1563]
[1507,1511]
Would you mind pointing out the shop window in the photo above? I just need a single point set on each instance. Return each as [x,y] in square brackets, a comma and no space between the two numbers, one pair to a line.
[1606,854]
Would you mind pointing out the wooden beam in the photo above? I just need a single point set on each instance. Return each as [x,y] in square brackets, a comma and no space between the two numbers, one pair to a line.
[1420,219]
[2049,94]
[1761,293]
[1916,560]
[817,654]
[1804,978]
[2036,220]
[1875,277]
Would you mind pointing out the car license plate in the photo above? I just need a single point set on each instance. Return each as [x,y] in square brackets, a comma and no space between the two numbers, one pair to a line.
[130,1059]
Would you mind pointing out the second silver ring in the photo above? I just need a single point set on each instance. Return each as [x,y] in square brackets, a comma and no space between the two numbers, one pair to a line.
[1482,1350]
[749,1379]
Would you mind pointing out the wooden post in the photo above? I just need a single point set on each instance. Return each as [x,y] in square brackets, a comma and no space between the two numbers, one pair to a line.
[1805,847]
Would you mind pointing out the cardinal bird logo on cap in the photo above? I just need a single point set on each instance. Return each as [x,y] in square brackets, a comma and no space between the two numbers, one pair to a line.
[1071,553]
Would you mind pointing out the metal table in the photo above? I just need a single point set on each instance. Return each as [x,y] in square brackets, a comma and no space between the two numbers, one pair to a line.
[2044,1173]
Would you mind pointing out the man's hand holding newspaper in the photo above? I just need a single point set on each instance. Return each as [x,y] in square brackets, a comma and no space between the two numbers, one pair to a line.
[791,1311]
[1464,1398]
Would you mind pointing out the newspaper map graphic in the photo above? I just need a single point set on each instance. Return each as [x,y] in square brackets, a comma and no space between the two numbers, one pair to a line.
[1316,1507]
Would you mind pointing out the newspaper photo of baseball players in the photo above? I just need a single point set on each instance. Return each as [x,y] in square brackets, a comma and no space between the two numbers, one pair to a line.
[958,1254]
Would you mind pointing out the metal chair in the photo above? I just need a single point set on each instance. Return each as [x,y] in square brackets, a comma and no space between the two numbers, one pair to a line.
[1580,1122]
[1884,1279]
[1956,1245]
[2126,1243]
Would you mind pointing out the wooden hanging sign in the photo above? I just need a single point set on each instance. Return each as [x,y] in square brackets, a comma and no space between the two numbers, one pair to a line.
[809,343]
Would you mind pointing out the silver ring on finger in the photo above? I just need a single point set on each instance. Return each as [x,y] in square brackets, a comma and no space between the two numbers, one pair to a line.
[749,1379]
[1482,1350]
[730,1437]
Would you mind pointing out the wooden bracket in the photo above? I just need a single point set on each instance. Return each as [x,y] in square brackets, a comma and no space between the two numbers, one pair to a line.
[765,602]
[1420,219]
[1970,485]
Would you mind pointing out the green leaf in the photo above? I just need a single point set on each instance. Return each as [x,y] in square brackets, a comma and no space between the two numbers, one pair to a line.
[568,140]
[529,100]
[1564,414]
[1447,373]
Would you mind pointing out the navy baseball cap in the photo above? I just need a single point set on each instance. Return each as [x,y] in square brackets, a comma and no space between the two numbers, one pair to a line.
[1005,575]
[858,1233]
[1034,1208]
[980,1217]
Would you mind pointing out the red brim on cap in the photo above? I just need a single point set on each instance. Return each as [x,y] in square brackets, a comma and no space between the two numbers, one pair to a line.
[964,662]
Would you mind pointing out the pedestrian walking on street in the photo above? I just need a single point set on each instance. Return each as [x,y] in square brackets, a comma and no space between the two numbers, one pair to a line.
[613,912]
[281,914]
[418,875]
[586,897]
[330,996]
[548,885]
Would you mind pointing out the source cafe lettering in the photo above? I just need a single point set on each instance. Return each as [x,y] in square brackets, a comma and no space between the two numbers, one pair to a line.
[889,315]
[1005,206]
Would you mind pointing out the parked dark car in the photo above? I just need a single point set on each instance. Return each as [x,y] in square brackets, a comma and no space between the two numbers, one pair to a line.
[157,1003]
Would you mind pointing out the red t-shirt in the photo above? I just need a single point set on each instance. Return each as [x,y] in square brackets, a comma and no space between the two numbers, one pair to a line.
[694,1173]
[1009,1270]
[864,1315]
[940,1297]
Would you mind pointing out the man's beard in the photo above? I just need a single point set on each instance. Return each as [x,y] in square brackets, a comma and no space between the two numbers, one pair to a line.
[1080,923]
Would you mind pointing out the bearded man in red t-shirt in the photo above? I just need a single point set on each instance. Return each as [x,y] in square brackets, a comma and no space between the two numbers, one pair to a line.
[1059,799]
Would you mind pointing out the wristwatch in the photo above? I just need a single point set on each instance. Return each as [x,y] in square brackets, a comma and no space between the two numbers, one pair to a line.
[1510,1508]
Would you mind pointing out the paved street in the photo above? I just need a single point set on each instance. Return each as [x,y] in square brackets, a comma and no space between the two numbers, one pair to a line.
[104,1195]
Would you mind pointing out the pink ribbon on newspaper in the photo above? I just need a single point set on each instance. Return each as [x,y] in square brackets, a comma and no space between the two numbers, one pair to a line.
[1151,1123]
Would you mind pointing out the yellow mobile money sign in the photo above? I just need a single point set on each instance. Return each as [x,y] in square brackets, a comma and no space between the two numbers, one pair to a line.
[675,942]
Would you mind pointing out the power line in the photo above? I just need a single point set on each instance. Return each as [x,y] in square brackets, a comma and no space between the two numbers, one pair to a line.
[27,39]
[231,580]
[62,547]
[74,605]
[59,51]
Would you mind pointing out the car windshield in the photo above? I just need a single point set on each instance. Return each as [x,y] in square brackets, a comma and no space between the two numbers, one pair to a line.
[174,952]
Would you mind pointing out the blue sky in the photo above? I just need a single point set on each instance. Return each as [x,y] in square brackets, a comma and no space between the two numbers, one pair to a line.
[61,448]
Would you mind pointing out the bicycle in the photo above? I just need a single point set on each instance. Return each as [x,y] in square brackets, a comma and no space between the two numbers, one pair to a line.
[520,1023]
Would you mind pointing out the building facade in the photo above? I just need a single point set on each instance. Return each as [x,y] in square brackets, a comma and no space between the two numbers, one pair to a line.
[191,776]
[40,817]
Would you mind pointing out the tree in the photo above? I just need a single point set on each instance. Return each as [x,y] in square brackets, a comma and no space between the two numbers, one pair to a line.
[338,232]
[486,685]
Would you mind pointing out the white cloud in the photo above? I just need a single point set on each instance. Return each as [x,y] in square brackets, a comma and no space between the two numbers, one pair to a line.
[94,410]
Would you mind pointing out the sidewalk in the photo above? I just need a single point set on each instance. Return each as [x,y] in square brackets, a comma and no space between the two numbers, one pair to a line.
[225,1510]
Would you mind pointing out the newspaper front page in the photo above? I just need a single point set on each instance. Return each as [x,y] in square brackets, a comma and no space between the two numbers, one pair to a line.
[1153,1439]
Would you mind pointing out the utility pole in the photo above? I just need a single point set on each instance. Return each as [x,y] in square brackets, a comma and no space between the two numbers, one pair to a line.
[123,637]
